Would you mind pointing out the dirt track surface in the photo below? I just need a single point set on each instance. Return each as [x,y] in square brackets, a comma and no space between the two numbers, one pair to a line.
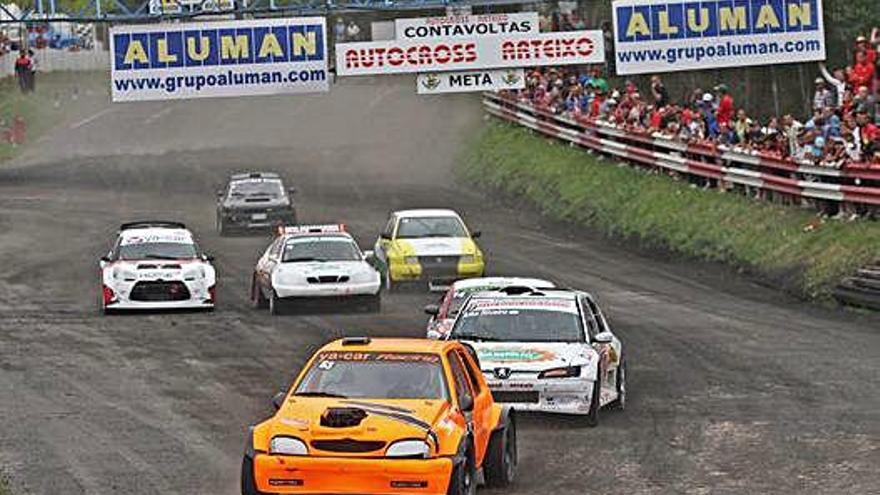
[733,388]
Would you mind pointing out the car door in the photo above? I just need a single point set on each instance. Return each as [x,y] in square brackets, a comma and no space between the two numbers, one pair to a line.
[609,354]
[480,416]
[483,403]
[268,262]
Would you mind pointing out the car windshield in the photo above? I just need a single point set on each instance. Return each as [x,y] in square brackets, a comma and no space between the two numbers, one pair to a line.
[257,187]
[157,250]
[375,375]
[414,227]
[320,249]
[519,320]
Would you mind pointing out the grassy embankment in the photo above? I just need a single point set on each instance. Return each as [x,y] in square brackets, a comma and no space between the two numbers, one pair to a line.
[770,241]
[59,97]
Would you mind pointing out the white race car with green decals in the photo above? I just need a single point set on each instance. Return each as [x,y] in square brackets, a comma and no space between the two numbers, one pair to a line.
[547,350]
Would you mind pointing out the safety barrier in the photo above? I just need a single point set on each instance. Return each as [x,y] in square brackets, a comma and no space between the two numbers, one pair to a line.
[855,183]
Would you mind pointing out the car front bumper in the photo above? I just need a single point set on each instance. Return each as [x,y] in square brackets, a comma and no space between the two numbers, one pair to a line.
[343,475]
[563,396]
[342,290]
[415,272]
[257,219]
[200,297]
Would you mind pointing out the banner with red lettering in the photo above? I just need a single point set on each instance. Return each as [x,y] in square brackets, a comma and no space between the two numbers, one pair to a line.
[521,50]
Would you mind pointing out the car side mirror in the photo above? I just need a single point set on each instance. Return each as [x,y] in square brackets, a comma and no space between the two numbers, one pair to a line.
[278,400]
[291,190]
[369,255]
[476,234]
[219,194]
[603,338]
[434,335]
[105,258]
[207,257]
[385,235]
[466,403]
[432,309]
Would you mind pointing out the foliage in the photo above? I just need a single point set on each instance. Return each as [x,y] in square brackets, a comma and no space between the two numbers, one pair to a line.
[769,240]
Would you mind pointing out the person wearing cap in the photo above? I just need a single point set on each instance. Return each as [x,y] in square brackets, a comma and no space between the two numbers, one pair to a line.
[822,97]
[836,80]
[870,51]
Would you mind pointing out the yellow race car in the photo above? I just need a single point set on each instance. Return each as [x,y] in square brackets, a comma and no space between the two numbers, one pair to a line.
[383,416]
[428,245]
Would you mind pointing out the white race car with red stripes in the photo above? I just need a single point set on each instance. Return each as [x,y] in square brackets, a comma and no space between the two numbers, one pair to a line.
[156,265]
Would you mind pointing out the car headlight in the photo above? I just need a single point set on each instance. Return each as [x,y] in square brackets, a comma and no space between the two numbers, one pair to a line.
[288,446]
[408,448]
[411,260]
[567,372]
[469,259]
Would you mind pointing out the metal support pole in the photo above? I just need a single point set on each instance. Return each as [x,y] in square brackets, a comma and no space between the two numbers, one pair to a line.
[98,8]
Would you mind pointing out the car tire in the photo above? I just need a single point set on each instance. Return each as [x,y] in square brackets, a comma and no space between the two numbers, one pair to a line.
[620,402]
[258,300]
[501,457]
[592,417]
[274,303]
[248,483]
[464,476]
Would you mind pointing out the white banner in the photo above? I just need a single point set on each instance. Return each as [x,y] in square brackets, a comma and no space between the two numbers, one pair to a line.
[672,35]
[524,50]
[465,26]
[231,58]
[467,81]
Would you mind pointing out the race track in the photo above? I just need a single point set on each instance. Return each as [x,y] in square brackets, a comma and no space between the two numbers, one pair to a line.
[733,388]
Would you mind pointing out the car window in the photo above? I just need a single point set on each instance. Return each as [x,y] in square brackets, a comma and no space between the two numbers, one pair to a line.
[597,316]
[389,228]
[462,382]
[473,373]
[272,188]
[376,375]
[415,227]
[320,249]
[519,319]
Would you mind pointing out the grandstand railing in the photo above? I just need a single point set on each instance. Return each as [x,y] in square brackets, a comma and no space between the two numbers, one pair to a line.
[853,183]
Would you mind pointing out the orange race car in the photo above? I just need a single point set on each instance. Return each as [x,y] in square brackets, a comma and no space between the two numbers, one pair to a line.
[383,416]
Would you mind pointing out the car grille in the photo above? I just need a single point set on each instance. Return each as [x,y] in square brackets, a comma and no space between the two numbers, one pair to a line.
[328,279]
[439,265]
[348,445]
[515,397]
[159,291]
[169,266]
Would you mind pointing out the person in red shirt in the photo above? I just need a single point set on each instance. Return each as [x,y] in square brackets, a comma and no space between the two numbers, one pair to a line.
[870,52]
[23,70]
[724,114]
[862,73]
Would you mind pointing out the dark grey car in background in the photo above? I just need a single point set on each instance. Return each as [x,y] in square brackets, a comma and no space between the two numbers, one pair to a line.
[255,200]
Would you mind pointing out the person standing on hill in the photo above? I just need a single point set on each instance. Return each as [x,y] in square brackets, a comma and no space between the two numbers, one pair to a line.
[32,71]
[724,115]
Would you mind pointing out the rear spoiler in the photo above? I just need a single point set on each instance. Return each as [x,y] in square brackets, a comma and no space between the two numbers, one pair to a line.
[146,224]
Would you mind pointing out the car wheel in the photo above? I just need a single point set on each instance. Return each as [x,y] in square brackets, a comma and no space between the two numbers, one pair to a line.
[248,483]
[501,457]
[592,418]
[464,476]
[274,303]
[620,402]
[258,300]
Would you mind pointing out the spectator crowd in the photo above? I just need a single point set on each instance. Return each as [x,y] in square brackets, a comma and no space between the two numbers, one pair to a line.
[843,127]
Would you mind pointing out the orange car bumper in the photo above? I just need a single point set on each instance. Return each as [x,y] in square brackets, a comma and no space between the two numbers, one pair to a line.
[341,475]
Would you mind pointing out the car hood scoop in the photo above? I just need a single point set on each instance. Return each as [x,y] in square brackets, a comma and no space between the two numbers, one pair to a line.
[343,417]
